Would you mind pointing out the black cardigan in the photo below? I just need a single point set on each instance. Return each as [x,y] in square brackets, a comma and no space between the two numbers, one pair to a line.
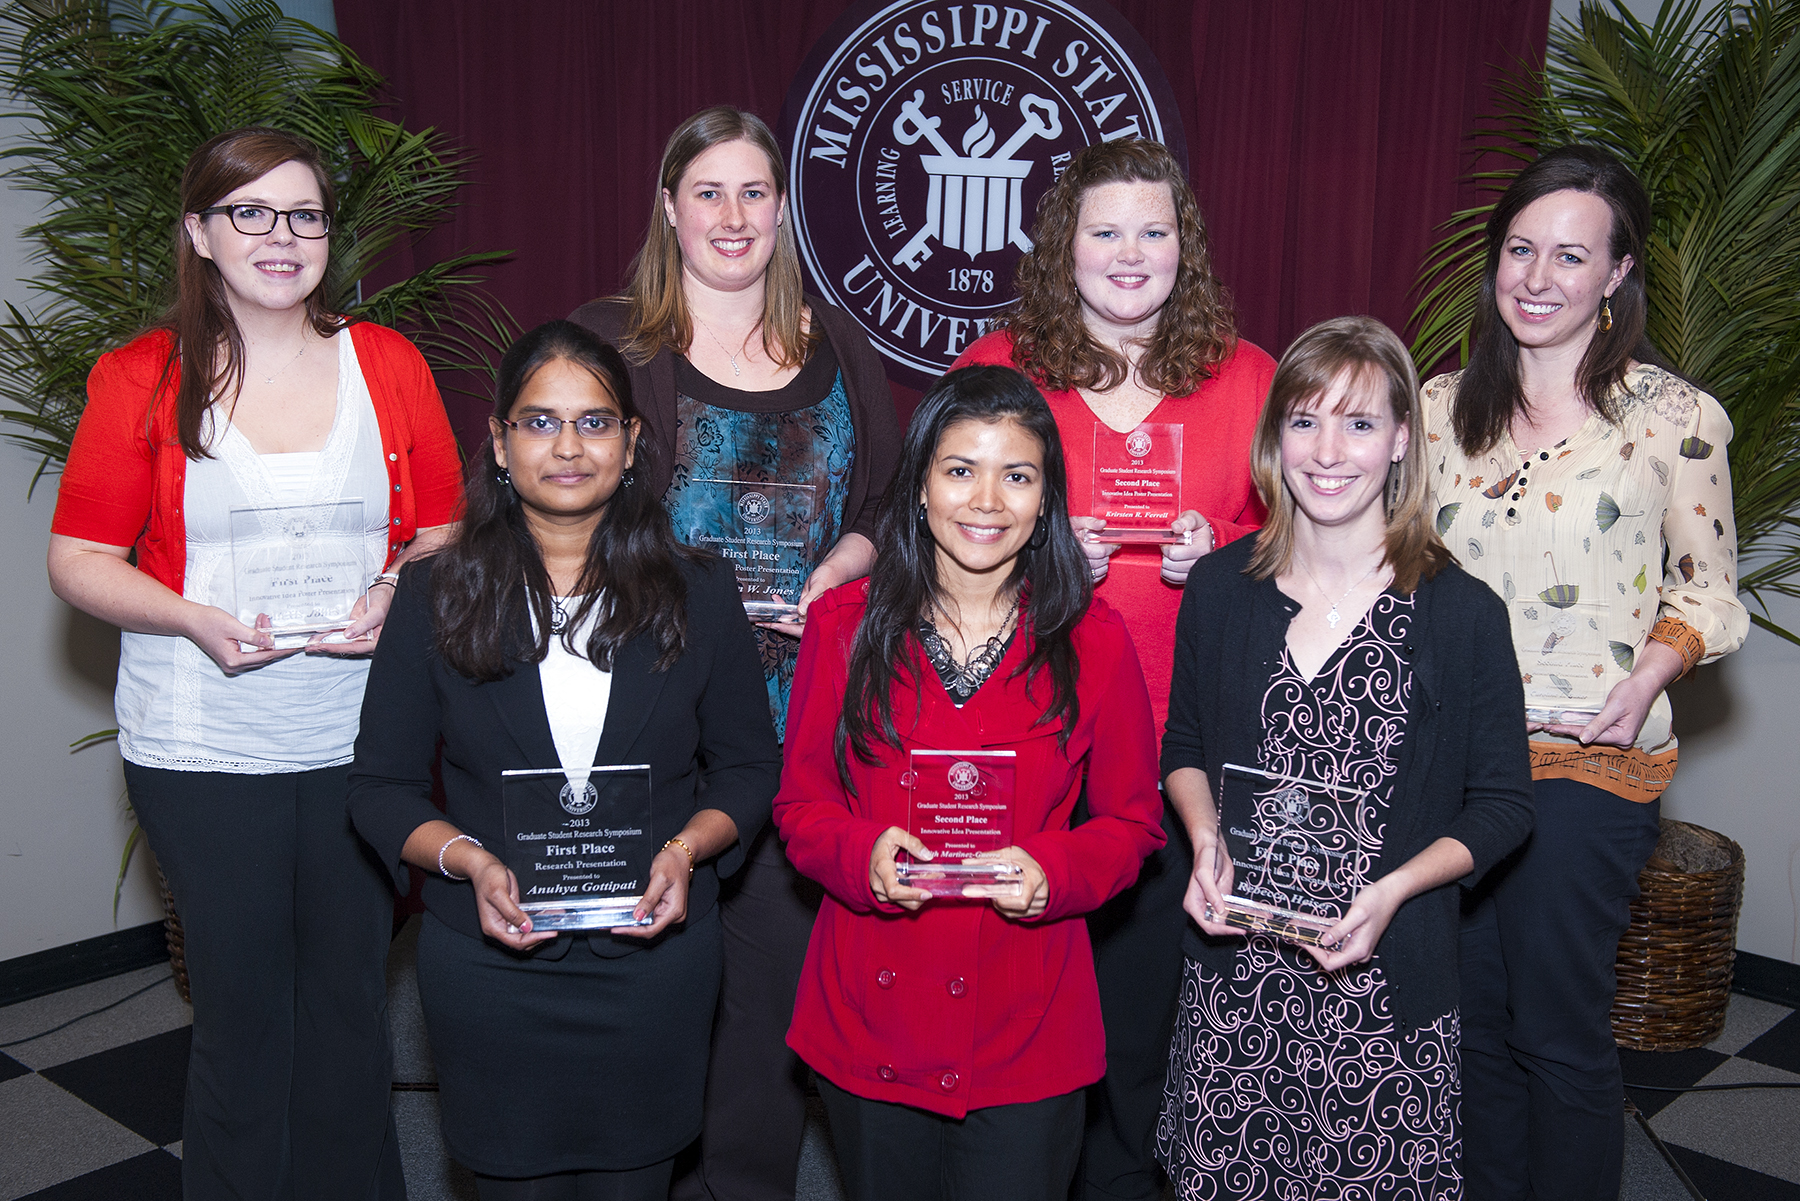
[690,723]
[877,430]
[1464,771]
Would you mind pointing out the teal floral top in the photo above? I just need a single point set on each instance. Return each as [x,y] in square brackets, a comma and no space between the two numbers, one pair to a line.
[788,449]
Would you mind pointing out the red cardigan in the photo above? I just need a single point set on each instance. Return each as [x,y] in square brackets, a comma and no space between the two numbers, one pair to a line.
[1219,419]
[954,1007]
[126,477]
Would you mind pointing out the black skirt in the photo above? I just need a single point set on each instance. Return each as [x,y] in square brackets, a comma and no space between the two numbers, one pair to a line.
[571,1063]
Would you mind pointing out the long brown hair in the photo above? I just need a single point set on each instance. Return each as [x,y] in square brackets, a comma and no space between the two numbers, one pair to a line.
[1491,392]
[200,318]
[1368,351]
[658,316]
[1197,329]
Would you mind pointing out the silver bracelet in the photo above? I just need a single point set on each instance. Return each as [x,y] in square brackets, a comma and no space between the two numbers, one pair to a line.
[442,870]
[385,577]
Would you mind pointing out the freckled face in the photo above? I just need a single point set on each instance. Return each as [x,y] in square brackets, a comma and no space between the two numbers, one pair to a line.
[1127,254]
[1555,269]
[983,496]
[726,213]
[1336,449]
[566,476]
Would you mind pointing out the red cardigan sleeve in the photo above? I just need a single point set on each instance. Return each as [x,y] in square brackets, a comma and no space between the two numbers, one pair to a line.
[109,479]
[1096,860]
[826,839]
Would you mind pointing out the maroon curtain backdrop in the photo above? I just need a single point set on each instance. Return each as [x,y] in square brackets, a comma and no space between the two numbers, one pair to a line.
[1325,137]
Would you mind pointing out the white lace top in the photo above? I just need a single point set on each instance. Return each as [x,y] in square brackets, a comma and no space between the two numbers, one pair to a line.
[176,709]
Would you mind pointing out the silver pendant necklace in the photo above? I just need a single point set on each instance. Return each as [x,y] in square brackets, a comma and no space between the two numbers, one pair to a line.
[269,379]
[1333,617]
[735,370]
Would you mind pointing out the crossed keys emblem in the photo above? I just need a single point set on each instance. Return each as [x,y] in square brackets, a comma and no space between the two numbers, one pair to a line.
[977,201]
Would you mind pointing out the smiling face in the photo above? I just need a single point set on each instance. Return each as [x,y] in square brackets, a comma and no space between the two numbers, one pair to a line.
[272,272]
[725,213]
[1127,254]
[983,495]
[1336,450]
[1555,269]
[567,478]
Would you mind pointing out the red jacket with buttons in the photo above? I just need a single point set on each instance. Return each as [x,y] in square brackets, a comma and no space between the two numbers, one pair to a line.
[126,477]
[955,1007]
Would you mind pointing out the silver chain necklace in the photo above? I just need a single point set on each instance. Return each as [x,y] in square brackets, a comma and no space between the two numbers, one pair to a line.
[269,379]
[1332,618]
[969,675]
[740,350]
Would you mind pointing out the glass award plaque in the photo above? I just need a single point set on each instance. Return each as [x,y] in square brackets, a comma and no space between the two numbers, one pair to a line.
[765,530]
[579,844]
[298,570]
[1137,484]
[959,804]
[1564,655]
[1296,860]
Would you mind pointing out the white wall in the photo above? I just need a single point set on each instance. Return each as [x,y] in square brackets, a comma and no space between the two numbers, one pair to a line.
[63,820]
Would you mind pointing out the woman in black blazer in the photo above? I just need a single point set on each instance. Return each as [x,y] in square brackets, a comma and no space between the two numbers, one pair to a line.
[565,628]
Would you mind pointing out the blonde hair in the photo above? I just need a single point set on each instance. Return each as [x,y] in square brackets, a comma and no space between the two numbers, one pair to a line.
[658,315]
[1366,350]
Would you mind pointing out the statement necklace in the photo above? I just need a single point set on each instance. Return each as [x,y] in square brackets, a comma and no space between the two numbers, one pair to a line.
[962,679]
[1332,618]
[721,345]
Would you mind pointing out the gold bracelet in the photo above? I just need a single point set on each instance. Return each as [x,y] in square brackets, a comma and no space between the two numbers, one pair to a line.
[677,842]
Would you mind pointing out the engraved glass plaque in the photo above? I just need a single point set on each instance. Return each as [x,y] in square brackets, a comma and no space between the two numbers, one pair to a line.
[579,843]
[1564,655]
[298,570]
[1137,483]
[765,530]
[959,804]
[1296,860]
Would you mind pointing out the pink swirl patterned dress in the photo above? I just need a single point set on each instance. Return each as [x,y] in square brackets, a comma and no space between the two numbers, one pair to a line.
[1286,1082]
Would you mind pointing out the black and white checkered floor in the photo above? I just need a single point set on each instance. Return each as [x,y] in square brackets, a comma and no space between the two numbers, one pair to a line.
[92,1112]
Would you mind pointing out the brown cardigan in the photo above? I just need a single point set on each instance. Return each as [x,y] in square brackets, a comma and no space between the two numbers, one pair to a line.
[877,431]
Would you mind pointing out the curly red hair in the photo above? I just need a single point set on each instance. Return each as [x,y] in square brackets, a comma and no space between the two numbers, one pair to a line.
[1197,329]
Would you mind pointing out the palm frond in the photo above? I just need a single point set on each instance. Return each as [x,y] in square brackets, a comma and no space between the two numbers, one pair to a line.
[116,94]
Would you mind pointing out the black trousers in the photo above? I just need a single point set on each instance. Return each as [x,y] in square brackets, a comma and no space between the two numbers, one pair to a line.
[1542,1107]
[755,1087]
[1137,957]
[287,919]
[636,1184]
[891,1152]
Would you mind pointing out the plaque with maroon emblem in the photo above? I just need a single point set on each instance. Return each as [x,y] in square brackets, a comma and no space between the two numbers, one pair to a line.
[960,805]
[1137,483]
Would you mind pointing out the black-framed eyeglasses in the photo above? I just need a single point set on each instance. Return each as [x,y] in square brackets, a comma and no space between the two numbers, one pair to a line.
[257,220]
[588,425]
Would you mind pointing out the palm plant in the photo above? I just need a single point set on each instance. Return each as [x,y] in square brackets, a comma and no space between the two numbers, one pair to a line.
[117,94]
[1704,104]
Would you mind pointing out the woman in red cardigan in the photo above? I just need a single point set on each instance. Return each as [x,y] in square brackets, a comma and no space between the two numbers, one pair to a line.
[254,406]
[1124,327]
[953,1036]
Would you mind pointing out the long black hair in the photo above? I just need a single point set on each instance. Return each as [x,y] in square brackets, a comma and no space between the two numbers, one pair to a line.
[486,581]
[1050,571]
[1491,391]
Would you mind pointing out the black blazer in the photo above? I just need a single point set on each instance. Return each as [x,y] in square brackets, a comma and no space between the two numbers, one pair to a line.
[1464,770]
[703,727]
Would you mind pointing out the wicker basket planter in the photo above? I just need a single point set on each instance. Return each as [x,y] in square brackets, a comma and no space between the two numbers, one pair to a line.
[1674,963]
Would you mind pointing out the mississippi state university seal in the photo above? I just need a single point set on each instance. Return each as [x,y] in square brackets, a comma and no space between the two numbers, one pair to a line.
[920,136]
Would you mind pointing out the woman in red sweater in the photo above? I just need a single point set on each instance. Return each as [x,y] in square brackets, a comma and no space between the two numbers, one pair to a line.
[953,1036]
[1131,338]
[254,408]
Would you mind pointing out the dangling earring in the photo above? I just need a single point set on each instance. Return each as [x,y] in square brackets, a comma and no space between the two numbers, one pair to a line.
[1606,314]
[924,524]
[1391,500]
[628,479]
[503,477]
[1040,534]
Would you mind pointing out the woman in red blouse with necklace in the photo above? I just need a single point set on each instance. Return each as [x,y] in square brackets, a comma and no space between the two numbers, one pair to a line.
[1124,328]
